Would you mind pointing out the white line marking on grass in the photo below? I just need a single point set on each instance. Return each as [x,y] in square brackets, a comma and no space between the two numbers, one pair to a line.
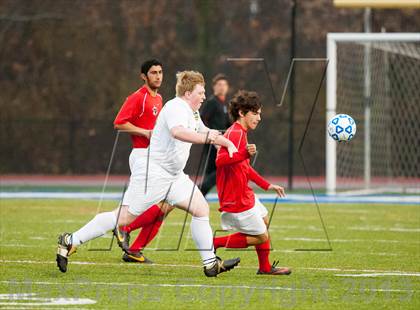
[383,274]
[363,270]
[197,266]
[248,249]
[21,300]
[17,296]
[341,252]
[23,246]
[160,285]
[24,308]
[350,211]
[347,240]
[98,264]
[169,285]
[291,198]
[392,229]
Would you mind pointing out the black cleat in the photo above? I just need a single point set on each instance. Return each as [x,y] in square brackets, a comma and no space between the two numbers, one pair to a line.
[220,266]
[135,257]
[123,238]
[276,271]
[64,250]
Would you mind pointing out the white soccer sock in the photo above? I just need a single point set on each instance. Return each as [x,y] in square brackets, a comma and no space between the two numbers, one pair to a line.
[203,238]
[97,227]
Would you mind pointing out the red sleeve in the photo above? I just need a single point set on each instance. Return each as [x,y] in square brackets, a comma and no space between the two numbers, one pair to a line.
[238,140]
[224,159]
[255,177]
[129,110]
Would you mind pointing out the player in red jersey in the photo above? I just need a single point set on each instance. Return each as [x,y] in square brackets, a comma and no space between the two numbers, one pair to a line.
[138,116]
[241,209]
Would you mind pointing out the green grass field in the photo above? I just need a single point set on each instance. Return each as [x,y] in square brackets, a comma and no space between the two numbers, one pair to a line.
[374,263]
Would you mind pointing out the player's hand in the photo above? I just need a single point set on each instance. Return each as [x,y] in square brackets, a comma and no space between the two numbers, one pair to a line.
[231,149]
[252,149]
[278,189]
[212,135]
[147,133]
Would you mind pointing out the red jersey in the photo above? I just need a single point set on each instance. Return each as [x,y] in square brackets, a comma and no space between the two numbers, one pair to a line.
[140,109]
[233,174]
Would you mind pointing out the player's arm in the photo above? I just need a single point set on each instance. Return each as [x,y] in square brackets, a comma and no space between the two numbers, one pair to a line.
[128,111]
[223,159]
[255,177]
[211,136]
[134,130]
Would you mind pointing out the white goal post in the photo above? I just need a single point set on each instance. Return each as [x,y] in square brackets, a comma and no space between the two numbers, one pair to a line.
[375,78]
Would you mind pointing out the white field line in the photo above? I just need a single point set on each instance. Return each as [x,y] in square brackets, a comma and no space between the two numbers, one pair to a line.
[22,307]
[248,249]
[17,296]
[268,198]
[347,240]
[370,275]
[199,266]
[273,227]
[379,228]
[16,300]
[341,252]
[270,288]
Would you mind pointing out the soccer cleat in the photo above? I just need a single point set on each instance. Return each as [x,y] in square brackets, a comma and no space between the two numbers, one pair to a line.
[135,257]
[123,238]
[64,250]
[276,271]
[220,266]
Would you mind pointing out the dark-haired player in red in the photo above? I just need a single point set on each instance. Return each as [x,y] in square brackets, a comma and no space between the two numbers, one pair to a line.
[138,116]
[241,209]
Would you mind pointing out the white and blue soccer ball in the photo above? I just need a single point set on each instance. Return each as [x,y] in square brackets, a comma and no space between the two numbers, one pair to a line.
[342,127]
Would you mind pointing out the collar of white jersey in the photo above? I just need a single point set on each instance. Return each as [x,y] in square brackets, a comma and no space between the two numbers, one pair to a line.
[184,103]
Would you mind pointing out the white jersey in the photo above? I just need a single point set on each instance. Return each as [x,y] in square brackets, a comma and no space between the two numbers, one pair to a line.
[169,153]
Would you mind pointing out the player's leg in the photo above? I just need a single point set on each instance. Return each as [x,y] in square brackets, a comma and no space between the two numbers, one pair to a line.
[250,226]
[146,235]
[98,226]
[263,249]
[202,234]
[149,217]
[239,240]
[135,190]
[152,217]
[105,221]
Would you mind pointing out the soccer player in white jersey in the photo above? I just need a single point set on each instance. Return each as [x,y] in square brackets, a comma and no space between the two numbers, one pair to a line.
[178,126]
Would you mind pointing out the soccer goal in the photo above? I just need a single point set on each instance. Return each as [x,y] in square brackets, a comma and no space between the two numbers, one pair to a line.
[375,78]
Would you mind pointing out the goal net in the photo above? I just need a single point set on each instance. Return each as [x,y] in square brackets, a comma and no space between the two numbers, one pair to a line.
[375,78]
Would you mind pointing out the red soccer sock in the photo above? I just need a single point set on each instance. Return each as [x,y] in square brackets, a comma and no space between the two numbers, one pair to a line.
[145,236]
[263,252]
[237,241]
[150,216]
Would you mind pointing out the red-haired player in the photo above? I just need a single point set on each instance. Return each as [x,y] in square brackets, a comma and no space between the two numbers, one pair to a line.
[241,209]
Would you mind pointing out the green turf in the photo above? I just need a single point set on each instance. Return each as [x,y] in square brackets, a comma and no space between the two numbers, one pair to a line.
[381,238]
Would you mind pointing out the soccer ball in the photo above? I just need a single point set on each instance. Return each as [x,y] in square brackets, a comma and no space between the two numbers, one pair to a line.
[342,127]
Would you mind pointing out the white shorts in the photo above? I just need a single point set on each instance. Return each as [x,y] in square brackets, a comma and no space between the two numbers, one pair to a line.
[143,192]
[249,222]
